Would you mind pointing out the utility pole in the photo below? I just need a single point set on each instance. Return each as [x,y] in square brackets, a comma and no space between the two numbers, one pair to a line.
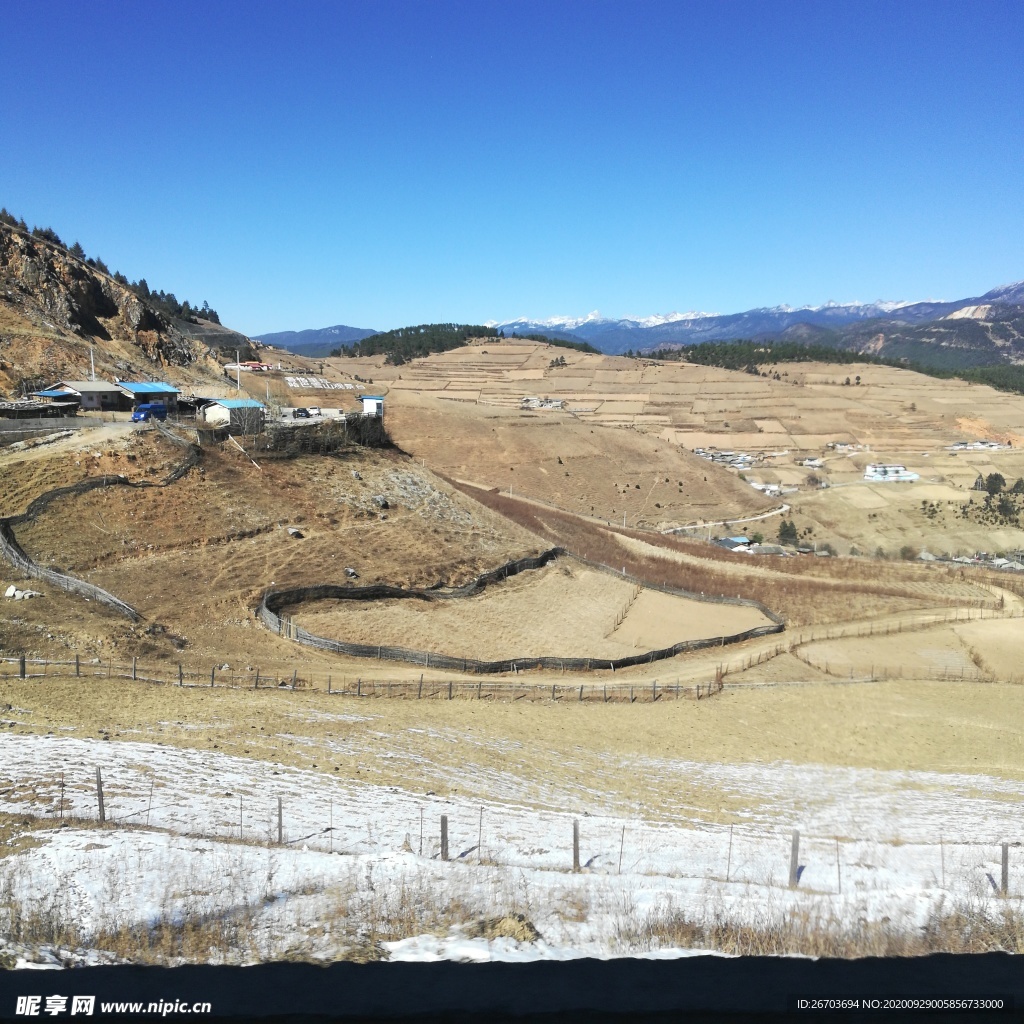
[92,365]
[238,372]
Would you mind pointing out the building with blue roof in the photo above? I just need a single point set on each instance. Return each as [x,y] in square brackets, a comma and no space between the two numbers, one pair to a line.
[98,395]
[150,391]
[239,415]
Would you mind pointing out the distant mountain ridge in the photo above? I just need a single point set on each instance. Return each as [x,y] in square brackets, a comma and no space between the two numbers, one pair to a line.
[316,342]
[976,331]
[986,328]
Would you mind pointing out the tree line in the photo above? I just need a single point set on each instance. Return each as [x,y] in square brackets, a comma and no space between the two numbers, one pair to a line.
[163,301]
[406,343]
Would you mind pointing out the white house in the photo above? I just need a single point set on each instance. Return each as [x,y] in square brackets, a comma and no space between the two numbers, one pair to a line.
[373,405]
[876,472]
[239,415]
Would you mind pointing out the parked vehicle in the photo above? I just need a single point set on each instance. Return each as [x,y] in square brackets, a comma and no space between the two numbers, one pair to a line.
[314,410]
[149,410]
[300,414]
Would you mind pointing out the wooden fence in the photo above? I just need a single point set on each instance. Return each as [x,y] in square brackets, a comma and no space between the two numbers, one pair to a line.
[350,685]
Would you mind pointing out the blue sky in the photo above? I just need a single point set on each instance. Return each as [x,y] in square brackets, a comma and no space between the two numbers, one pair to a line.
[380,164]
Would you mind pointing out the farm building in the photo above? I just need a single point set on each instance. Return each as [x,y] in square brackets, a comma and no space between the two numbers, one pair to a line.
[239,415]
[876,472]
[93,394]
[734,543]
[150,391]
[373,405]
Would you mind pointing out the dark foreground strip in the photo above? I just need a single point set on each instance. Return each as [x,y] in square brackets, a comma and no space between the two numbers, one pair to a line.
[720,989]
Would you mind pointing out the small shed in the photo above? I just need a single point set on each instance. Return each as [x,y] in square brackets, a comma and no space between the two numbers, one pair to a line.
[373,405]
[150,391]
[239,415]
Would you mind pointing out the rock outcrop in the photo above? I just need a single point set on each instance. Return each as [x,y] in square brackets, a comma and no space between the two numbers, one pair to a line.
[52,302]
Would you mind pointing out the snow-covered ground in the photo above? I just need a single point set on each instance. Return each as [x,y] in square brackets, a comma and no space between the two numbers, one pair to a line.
[194,833]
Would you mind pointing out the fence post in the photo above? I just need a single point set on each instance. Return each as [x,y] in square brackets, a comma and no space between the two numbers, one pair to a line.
[328,684]
[480,838]
[419,692]
[77,667]
[449,697]
[581,692]
[839,868]
[280,823]
[1006,869]
[21,666]
[444,837]
[359,687]
[212,671]
[575,846]
[99,794]
[794,859]
[295,673]
[654,690]
[728,861]
[135,667]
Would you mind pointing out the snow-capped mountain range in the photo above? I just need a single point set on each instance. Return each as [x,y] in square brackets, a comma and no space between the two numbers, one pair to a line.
[988,323]
[618,335]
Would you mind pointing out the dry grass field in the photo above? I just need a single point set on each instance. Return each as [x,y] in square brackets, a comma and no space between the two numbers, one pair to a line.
[608,758]
[591,469]
[891,416]
[193,557]
[562,610]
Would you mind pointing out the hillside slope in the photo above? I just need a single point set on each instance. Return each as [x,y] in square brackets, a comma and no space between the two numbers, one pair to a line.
[56,308]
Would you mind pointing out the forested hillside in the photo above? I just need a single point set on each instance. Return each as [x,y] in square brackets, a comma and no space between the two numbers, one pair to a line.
[405,343]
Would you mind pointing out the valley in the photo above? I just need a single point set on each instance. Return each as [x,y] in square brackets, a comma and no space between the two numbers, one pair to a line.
[880,721]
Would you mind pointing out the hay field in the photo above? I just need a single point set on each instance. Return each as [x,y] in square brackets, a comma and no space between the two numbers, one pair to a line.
[562,610]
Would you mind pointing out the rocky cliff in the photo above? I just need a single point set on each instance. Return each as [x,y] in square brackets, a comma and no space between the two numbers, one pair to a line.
[54,307]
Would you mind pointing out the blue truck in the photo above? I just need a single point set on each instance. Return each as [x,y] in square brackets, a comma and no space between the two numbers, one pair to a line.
[149,410]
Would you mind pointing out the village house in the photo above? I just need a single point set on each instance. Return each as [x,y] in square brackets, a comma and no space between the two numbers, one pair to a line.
[92,394]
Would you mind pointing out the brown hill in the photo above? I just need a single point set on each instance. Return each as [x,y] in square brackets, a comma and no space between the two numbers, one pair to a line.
[55,307]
